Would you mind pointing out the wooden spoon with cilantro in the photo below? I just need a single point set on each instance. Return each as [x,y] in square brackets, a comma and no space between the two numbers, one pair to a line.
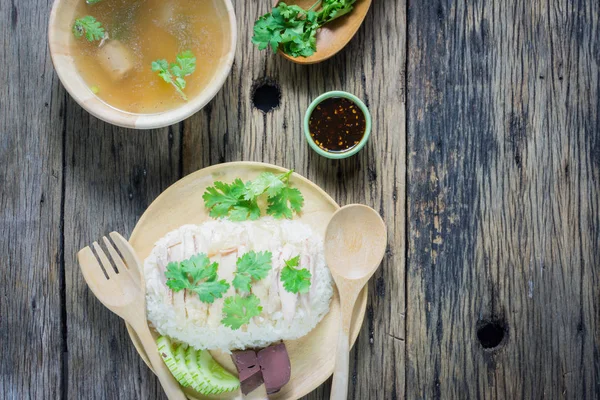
[293,29]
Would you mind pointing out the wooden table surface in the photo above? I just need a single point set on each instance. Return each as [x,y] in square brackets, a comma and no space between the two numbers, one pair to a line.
[484,162]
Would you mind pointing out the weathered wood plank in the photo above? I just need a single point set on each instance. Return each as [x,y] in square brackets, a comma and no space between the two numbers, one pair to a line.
[504,189]
[232,129]
[111,176]
[30,207]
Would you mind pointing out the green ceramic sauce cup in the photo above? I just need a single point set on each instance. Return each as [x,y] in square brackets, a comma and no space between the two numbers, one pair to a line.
[355,149]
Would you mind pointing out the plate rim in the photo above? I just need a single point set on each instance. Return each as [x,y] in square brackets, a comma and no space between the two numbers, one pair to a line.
[361,303]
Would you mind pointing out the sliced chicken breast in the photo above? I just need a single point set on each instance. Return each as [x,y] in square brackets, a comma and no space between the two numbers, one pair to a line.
[195,309]
[288,300]
[175,254]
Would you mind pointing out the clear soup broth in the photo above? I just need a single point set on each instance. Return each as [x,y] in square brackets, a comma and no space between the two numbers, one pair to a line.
[151,30]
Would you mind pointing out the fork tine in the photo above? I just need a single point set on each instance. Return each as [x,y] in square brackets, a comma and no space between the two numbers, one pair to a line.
[91,269]
[108,268]
[121,267]
[129,256]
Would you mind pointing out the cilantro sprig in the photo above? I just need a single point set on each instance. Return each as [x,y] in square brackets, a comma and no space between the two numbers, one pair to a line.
[224,199]
[239,310]
[295,280]
[198,275]
[251,265]
[294,29]
[88,26]
[239,200]
[176,72]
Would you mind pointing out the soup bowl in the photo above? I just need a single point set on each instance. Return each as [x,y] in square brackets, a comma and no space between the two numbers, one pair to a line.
[61,40]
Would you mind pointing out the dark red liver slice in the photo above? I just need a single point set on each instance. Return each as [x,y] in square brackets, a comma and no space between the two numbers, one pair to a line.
[248,368]
[275,365]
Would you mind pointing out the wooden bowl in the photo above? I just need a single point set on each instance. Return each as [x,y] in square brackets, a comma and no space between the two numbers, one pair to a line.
[61,39]
[312,356]
[334,36]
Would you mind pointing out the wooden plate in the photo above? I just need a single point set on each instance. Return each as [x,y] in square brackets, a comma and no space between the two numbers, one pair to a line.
[312,357]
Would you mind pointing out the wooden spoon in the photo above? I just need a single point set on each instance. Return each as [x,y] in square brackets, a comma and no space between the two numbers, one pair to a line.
[332,37]
[355,242]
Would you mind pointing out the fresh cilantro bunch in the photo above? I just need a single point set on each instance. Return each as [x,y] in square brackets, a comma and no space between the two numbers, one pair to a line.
[239,200]
[251,265]
[174,73]
[294,29]
[290,27]
[239,310]
[198,275]
[295,280]
[332,9]
[89,27]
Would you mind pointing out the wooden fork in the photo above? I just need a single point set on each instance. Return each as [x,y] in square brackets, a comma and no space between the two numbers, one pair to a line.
[119,287]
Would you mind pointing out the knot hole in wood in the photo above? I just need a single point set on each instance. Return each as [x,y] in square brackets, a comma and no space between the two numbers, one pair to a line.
[492,334]
[266,95]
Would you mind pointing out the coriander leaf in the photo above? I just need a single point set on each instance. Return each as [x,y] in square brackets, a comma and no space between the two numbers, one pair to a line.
[89,27]
[198,275]
[92,1]
[177,277]
[292,262]
[221,197]
[245,210]
[239,310]
[251,265]
[266,182]
[186,64]
[295,280]
[162,67]
[242,282]
[174,73]
[211,290]
[283,25]
[333,9]
[288,200]
[199,267]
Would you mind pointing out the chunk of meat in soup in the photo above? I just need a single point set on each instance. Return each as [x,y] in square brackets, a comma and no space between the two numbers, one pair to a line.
[116,59]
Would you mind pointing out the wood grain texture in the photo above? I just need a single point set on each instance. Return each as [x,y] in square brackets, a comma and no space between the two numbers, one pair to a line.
[504,187]
[504,209]
[111,176]
[31,182]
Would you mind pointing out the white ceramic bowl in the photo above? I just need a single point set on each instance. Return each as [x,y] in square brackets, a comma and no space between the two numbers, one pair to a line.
[60,39]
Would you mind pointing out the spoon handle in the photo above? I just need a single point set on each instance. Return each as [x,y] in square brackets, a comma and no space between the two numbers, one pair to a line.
[339,388]
[348,294]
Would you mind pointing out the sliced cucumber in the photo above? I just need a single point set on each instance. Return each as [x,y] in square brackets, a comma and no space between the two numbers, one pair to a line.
[196,368]
[217,377]
[184,372]
[165,349]
[208,376]
[196,376]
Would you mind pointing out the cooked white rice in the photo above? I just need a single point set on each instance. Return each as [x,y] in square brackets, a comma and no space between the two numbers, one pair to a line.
[184,318]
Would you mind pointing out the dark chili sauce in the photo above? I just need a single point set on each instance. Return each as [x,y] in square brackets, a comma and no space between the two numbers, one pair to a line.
[337,124]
